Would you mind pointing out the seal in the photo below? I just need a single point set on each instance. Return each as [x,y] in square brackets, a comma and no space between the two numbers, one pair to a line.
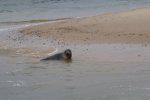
[65,55]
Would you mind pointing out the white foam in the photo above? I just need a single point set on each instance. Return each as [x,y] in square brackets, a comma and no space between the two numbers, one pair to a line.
[56,50]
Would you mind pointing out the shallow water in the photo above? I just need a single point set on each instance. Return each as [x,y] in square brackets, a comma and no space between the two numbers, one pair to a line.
[97,72]
[21,10]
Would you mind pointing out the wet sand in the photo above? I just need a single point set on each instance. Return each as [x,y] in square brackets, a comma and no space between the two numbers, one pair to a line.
[124,27]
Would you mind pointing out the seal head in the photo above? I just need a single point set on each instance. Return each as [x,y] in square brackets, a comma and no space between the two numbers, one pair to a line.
[67,54]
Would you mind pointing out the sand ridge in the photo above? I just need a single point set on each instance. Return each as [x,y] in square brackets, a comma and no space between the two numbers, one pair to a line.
[125,27]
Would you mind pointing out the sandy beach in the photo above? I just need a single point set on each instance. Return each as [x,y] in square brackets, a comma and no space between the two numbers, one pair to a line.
[124,27]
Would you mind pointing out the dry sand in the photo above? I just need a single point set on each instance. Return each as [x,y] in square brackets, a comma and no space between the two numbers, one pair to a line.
[125,27]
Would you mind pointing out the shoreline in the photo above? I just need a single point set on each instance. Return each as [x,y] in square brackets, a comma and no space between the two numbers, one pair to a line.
[123,27]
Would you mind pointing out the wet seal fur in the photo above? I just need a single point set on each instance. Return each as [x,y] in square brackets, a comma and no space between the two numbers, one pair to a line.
[66,55]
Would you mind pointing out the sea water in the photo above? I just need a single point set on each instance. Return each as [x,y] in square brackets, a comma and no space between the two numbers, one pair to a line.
[25,10]
[119,72]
